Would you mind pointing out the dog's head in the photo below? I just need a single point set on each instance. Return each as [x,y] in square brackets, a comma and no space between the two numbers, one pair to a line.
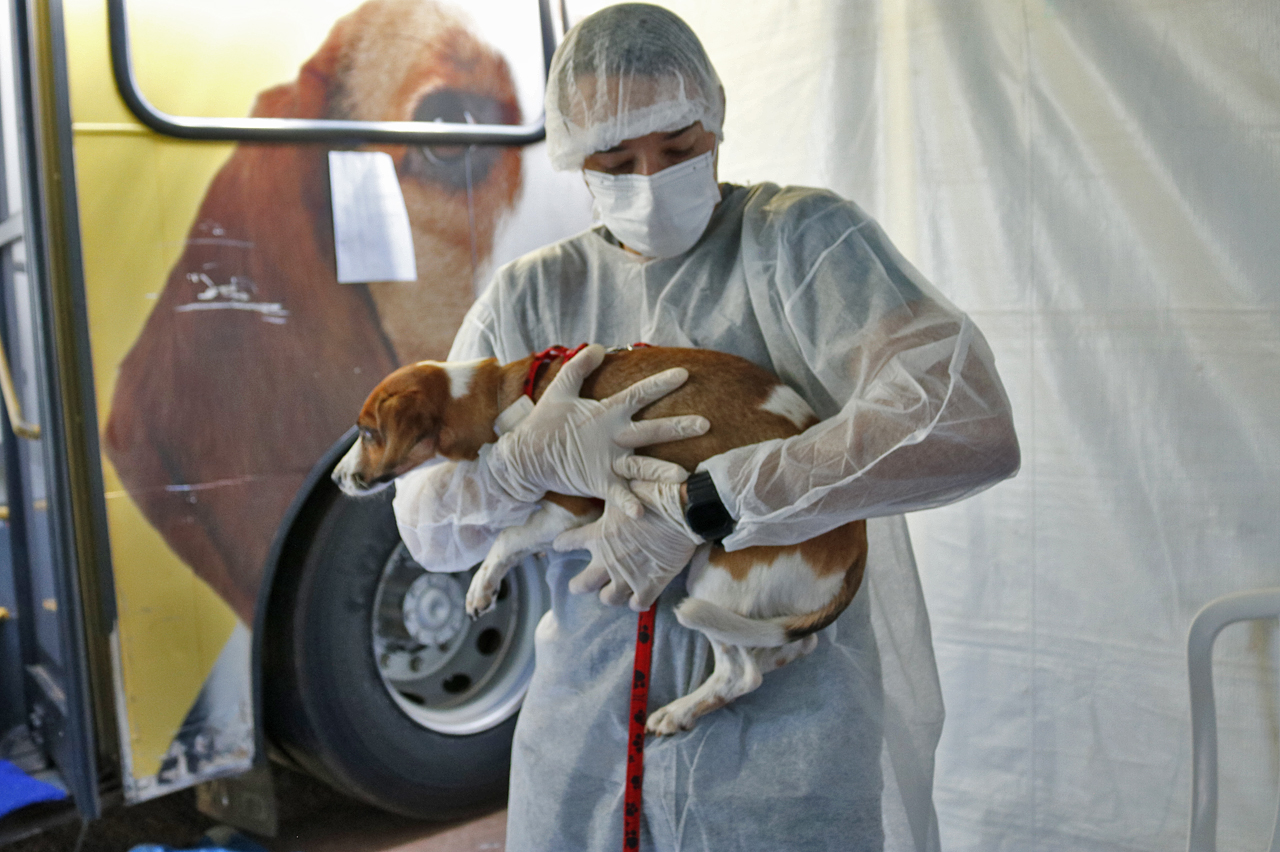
[413,60]
[399,428]
[417,413]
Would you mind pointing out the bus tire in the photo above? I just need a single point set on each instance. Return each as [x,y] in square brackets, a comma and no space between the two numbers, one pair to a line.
[333,697]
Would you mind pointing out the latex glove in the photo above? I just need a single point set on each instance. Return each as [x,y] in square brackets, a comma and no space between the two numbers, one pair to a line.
[633,559]
[569,445]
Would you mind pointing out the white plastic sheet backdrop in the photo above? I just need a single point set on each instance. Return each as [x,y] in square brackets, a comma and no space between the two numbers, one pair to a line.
[1098,185]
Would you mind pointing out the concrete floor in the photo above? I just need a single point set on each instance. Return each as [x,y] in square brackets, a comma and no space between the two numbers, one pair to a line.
[315,819]
[483,834]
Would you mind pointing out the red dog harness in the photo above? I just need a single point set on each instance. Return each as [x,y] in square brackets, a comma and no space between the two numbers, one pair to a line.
[633,793]
[542,359]
[555,353]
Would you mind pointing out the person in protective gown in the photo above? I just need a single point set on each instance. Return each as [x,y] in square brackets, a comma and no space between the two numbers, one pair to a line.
[834,751]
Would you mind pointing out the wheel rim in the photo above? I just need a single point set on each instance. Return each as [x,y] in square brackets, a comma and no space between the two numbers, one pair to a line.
[444,671]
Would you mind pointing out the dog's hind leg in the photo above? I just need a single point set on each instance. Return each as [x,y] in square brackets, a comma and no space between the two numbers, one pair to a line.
[736,673]
[512,545]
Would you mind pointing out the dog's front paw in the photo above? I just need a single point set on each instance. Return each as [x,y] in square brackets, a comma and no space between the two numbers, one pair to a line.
[481,598]
[669,720]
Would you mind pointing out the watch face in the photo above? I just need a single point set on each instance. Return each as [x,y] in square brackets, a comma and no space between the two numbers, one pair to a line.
[705,514]
[701,517]
[708,518]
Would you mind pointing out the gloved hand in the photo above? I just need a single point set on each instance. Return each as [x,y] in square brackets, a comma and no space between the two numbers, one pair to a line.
[569,445]
[633,559]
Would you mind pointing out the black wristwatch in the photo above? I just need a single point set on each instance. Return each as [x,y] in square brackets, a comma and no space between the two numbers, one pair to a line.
[705,513]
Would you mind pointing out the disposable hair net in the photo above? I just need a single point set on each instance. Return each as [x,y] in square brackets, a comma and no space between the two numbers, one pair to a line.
[624,72]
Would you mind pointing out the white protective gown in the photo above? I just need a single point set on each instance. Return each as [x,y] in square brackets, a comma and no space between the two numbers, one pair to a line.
[834,751]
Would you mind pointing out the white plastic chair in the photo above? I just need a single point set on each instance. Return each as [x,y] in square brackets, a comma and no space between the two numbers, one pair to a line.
[1243,606]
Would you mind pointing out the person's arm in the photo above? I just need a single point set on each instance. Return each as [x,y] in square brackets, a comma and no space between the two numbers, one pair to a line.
[924,420]
[449,514]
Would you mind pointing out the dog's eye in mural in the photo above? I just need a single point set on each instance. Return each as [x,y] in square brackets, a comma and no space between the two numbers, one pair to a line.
[447,164]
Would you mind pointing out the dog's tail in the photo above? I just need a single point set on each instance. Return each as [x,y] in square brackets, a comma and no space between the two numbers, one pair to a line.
[722,625]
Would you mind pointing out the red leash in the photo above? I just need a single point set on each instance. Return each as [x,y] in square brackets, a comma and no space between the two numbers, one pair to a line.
[633,795]
[635,734]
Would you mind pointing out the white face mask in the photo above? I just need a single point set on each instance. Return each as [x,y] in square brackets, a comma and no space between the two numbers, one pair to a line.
[659,215]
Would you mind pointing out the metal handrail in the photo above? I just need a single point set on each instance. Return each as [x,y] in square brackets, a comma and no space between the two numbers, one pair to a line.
[1205,627]
[313,130]
[12,407]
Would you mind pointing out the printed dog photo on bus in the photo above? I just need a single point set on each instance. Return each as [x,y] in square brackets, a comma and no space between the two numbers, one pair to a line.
[254,356]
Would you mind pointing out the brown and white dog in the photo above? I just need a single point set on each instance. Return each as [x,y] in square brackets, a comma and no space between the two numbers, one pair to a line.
[759,606]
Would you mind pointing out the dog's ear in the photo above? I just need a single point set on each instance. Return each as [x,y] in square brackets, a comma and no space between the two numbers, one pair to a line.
[410,428]
[309,96]
[317,77]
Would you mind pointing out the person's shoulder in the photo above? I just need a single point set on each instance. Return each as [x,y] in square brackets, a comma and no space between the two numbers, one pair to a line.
[799,203]
[799,220]
[785,212]
[530,285]
[536,283]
